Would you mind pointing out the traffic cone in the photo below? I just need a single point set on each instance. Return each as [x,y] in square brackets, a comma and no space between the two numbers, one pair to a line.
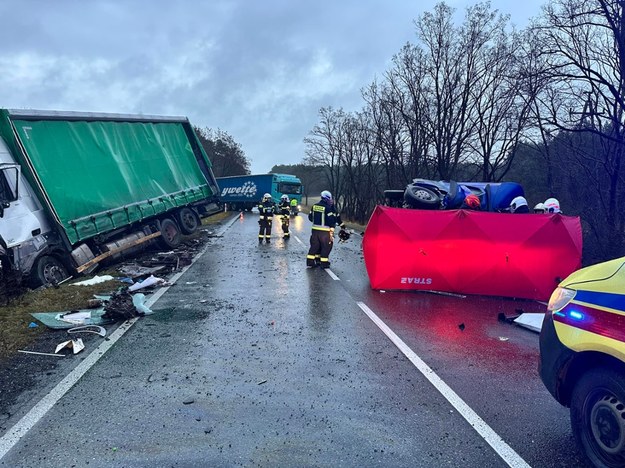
[241,215]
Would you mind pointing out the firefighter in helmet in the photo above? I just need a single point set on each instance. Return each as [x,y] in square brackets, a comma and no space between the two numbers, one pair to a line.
[294,208]
[284,210]
[266,210]
[324,218]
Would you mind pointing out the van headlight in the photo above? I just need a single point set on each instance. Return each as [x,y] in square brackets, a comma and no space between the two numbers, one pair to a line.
[560,297]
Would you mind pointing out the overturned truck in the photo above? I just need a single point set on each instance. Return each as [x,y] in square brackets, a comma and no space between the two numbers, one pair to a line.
[78,189]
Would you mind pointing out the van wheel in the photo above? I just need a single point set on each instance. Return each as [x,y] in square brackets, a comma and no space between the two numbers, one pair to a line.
[189,220]
[48,270]
[170,237]
[598,417]
[421,197]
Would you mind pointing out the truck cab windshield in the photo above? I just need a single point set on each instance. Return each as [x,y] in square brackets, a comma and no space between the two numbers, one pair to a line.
[290,189]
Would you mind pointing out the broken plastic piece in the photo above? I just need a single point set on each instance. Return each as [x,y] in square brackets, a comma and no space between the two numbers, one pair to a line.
[98,330]
[531,321]
[95,280]
[138,301]
[75,345]
[77,318]
[149,281]
[39,354]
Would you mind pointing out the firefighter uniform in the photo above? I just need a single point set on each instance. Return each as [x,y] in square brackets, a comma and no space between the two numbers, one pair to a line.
[284,209]
[266,210]
[324,218]
[294,206]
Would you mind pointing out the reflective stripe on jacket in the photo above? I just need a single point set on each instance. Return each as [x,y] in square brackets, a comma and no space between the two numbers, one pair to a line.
[323,216]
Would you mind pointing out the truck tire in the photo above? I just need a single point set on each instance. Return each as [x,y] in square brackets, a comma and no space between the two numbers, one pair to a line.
[189,221]
[48,270]
[170,237]
[598,416]
[421,197]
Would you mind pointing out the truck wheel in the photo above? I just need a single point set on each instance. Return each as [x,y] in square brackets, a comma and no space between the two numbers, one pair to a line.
[598,416]
[170,237]
[421,197]
[48,270]
[189,220]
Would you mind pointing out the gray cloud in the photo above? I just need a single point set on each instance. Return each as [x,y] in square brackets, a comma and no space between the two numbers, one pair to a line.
[257,69]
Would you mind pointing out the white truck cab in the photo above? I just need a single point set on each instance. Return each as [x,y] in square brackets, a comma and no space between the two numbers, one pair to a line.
[23,223]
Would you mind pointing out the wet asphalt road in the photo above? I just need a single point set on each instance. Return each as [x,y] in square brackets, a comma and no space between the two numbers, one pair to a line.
[251,359]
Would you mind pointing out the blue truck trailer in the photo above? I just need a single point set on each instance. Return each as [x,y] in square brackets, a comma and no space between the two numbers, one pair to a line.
[242,193]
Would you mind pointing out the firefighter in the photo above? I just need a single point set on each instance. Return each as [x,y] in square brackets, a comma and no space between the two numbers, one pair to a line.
[324,218]
[266,210]
[294,207]
[284,210]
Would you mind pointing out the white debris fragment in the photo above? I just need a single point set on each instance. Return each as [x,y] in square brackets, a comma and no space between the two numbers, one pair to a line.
[95,280]
[531,321]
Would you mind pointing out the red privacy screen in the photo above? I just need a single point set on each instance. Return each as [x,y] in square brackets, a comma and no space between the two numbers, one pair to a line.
[471,252]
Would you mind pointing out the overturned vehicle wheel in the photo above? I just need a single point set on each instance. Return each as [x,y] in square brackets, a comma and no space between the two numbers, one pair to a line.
[423,198]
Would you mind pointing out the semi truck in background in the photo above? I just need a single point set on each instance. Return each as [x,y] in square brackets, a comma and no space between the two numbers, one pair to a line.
[77,189]
[242,193]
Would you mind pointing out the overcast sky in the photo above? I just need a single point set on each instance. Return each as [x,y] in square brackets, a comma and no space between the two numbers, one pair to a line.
[258,69]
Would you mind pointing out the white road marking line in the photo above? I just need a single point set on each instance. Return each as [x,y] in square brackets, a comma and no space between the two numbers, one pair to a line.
[332,275]
[298,239]
[506,452]
[26,423]
[31,418]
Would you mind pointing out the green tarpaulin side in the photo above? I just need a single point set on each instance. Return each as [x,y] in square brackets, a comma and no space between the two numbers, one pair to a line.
[101,175]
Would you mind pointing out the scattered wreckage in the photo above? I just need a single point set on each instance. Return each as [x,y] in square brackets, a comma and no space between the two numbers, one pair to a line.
[142,275]
[78,189]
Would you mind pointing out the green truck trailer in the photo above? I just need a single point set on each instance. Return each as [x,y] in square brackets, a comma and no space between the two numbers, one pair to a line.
[77,189]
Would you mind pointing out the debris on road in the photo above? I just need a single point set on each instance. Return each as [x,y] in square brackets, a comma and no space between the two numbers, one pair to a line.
[532,321]
[95,280]
[121,307]
[134,270]
[39,354]
[98,330]
[149,281]
[508,318]
[75,345]
[50,320]
[75,317]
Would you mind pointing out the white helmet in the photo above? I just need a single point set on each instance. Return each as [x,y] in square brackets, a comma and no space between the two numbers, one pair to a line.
[284,197]
[540,208]
[552,205]
[326,195]
[517,205]
[267,197]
